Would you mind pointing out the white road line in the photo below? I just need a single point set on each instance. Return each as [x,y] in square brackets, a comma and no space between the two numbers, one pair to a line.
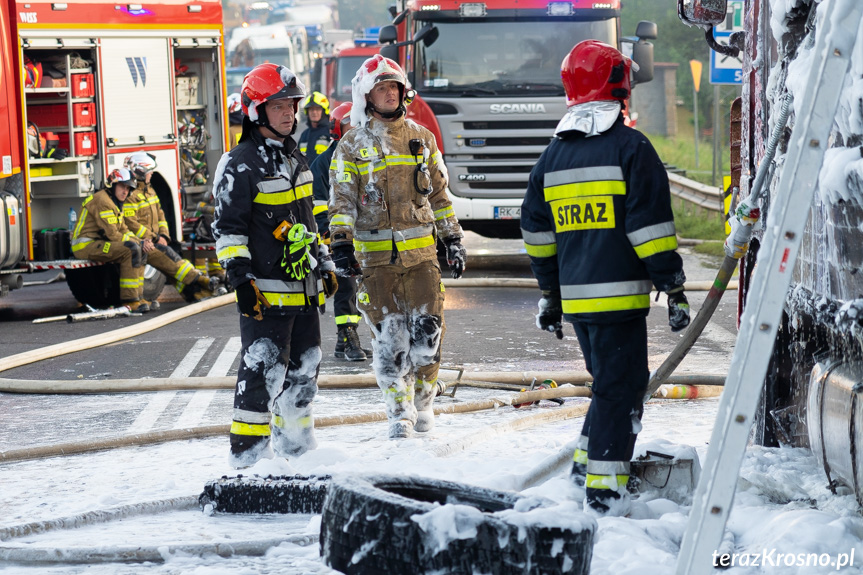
[160,400]
[197,407]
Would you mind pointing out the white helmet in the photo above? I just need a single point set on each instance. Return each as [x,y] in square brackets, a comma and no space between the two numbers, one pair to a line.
[122,176]
[235,103]
[140,164]
[374,70]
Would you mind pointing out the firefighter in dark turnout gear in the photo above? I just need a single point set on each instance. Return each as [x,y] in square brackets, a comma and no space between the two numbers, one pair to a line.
[599,230]
[266,241]
[347,316]
[316,138]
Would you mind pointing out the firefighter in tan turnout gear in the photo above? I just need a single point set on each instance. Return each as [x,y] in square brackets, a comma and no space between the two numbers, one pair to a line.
[102,236]
[387,207]
[146,219]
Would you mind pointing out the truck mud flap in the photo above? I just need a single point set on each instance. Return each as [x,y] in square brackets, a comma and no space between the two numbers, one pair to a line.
[11,230]
[271,494]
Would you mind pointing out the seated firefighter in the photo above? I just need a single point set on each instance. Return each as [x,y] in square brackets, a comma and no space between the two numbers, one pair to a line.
[102,236]
[145,218]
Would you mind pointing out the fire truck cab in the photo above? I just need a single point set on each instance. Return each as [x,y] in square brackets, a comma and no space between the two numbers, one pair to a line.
[100,80]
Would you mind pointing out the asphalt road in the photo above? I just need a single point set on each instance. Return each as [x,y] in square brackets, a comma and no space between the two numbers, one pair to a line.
[488,329]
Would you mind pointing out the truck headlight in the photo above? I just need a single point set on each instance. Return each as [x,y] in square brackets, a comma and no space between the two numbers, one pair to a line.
[560,9]
[472,10]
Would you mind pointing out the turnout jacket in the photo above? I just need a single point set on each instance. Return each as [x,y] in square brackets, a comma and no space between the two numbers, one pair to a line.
[258,185]
[321,188]
[144,215]
[101,219]
[314,141]
[374,201]
[597,224]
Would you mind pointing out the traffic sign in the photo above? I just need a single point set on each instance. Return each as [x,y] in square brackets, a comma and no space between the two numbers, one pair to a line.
[726,69]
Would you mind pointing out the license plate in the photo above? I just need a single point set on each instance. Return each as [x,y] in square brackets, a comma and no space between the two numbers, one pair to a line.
[507,213]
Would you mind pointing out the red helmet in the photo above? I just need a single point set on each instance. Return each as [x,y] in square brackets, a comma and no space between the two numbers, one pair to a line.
[121,176]
[269,82]
[341,113]
[594,71]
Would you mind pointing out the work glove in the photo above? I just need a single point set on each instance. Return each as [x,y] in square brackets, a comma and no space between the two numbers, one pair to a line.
[57,153]
[456,256]
[138,256]
[331,283]
[345,260]
[742,223]
[678,309]
[550,313]
[250,299]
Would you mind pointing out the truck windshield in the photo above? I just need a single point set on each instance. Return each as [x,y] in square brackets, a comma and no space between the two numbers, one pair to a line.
[347,69]
[501,58]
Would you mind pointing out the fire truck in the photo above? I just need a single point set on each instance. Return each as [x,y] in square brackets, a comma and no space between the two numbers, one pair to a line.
[85,83]
[488,79]
[341,64]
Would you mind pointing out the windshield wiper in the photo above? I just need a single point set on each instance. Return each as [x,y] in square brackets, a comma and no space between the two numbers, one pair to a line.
[475,91]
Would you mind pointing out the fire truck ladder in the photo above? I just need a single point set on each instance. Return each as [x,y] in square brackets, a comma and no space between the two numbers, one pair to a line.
[835,38]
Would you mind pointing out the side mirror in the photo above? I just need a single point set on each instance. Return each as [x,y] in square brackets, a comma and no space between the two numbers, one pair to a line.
[428,34]
[397,19]
[393,10]
[642,54]
[704,14]
[387,35]
[390,51]
[646,30]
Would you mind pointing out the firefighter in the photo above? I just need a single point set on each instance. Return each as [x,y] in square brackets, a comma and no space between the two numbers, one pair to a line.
[235,119]
[388,204]
[102,236]
[267,242]
[347,316]
[316,138]
[598,227]
[146,219]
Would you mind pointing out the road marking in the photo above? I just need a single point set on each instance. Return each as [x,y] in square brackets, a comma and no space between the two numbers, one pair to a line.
[160,400]
[197,407]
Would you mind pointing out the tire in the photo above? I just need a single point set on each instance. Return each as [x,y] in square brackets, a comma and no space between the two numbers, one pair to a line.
[255,494]
[367,529]
[154,283]
[97,286]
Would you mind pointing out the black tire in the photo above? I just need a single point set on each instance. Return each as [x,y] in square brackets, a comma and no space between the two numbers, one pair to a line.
[154,283]
[367,529]
[98,286]
[255,494]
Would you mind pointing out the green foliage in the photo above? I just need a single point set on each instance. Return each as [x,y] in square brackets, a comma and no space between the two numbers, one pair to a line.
[697,223]
[680,153]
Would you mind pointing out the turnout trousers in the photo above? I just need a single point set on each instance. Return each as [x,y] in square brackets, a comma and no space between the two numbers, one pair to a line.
[180,270]
[345,303]
[404,309]
[276,384]
[616,357]
[131,278]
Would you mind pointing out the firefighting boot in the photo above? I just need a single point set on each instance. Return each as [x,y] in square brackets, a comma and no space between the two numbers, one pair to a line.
[424,394]
[401,429]
[138,306]
[348,344]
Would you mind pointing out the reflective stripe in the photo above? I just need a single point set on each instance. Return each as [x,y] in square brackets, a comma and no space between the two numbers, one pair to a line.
[377,246]
[610,289]
[346,319]
[290,299]
[539,244]
[415,244]
[320,209]
[82,241]
[400,160]
[279,286]
[578,175]
[400,396]
[346,166]
[608,467]
[608,188]
[141,231]
[301,423]
[654,232]
[184,270]
[653,247]
[444,213]
[580,456]
[342,220]
[278,198]
[613,482]
[245,416]
[259,430]
[83,217]
[598,305]
[582,443]
[233,252]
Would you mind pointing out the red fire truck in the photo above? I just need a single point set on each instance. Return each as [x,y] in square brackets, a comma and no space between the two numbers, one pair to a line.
[99,80]
[488,77]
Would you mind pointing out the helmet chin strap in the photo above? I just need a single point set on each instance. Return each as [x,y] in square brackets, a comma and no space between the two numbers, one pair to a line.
[264,122]
[387,115]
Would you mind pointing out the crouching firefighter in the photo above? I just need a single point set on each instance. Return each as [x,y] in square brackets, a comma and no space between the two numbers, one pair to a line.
[266,240]
[101,235]
[389,204]
[146,219]
[598,227]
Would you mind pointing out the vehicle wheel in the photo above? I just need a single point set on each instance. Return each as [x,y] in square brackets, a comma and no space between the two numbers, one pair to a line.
[369,526]
[97,286]
[154,283]
[255,494]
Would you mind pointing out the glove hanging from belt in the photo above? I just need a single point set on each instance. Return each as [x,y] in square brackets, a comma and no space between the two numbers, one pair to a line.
[250,299]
